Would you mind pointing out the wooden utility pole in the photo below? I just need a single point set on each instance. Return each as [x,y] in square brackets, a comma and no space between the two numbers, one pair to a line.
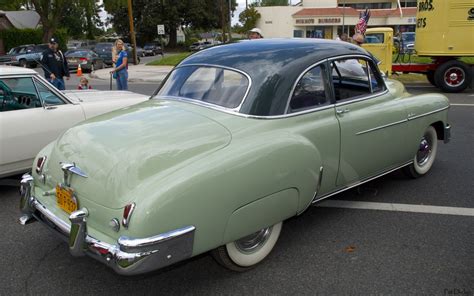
[132,33]
[230,21]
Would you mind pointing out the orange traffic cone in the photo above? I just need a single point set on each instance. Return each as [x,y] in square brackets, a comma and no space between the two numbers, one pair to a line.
[79,70]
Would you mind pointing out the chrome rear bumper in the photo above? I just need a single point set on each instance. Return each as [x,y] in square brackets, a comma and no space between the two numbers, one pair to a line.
[129,256]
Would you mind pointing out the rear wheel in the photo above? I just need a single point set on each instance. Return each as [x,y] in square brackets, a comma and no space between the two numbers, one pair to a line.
[245,253]
[453,76]
[425,156]
[23,63]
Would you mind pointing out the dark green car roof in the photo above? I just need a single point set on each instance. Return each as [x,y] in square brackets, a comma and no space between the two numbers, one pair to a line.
[273,65]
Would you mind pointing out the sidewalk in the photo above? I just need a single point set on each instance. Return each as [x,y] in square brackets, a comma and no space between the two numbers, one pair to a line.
[137,73]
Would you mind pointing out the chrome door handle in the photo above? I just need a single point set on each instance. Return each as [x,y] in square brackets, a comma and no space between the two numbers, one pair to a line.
[342,111]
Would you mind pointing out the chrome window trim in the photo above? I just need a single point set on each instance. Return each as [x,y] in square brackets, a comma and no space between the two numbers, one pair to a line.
[427,113]
[232,112]
[362,98]
[381,127]
[292,91]
[46,84]
[236,109]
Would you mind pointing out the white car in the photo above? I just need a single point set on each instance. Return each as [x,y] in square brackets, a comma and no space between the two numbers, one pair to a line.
[33,113]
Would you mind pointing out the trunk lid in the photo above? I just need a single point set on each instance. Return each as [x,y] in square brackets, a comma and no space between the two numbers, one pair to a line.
[120,150]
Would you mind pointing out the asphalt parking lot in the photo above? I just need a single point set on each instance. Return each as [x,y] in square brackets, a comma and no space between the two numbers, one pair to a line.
[391,236]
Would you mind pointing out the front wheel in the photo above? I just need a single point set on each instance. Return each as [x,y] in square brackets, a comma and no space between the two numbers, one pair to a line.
[245,253]
[425,156]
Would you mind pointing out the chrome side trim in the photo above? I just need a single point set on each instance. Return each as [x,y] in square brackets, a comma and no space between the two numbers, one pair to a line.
[362,98]
[355,184]
[428,113]
[382,126]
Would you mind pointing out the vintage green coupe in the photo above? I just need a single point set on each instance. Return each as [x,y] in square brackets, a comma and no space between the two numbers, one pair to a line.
[236,140]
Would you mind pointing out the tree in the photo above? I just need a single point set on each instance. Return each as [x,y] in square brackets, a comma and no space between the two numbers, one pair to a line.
[249,18]
[51,12]
[82,20]
[272,3]
[202,14]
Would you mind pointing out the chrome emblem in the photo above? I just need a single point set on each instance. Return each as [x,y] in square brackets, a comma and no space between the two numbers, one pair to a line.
[69,169]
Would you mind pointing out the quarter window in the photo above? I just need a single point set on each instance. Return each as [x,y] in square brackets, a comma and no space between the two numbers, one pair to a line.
[309,91]
[49,98]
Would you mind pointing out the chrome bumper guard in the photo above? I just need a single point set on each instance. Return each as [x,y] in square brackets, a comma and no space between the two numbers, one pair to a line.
[129,256]
[447,133]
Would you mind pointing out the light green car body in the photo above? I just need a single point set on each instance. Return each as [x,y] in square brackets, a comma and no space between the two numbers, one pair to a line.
[225,174]
[198,176]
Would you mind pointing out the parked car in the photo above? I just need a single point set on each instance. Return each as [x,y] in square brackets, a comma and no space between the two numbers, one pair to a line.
[236,140]
[104,50]
[33,113]
[89,60]
[24,55]
[152,49]
[200,45]
[140,51]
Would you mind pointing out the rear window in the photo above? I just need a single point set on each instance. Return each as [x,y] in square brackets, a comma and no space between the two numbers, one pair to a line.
[214,85]
[80,53]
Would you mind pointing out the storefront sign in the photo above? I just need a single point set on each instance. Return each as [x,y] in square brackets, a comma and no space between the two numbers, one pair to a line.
[331,20]
[305,21]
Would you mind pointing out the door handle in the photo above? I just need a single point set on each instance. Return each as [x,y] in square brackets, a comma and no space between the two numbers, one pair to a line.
[342,111]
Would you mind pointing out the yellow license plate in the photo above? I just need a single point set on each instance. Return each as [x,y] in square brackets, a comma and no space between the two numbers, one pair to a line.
[65,199]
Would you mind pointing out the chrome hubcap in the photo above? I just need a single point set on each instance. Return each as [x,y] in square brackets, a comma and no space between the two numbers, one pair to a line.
[254,241]
[454,76]
[424,152]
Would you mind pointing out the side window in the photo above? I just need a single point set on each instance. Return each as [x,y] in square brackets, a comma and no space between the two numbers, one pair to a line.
[309,91]
[376,80]
[18,94]
[49,98]
[350,78]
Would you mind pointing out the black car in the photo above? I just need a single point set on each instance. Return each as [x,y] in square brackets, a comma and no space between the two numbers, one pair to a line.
[151,49]
[104,50]
[88,60]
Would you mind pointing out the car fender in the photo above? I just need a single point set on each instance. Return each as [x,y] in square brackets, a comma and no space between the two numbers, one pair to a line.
[232,192]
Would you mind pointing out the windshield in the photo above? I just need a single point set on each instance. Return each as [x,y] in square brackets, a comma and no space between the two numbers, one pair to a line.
[408,37]
[208,84]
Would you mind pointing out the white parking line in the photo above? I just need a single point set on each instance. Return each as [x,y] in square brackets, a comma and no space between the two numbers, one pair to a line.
[394,207]
[471,105]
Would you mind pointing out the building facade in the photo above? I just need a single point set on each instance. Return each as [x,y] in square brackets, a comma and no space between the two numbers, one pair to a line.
[330,18]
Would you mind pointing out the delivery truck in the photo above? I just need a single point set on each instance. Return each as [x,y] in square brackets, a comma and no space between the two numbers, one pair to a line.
[445,33]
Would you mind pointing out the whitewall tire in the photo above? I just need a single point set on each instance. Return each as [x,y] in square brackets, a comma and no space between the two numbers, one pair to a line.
[425,156]
[245,253]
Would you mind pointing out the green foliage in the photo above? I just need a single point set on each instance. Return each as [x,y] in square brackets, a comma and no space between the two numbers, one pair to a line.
[272,3]
[202,14]
[172,60]
[16,37]
[248,18]
[82,20]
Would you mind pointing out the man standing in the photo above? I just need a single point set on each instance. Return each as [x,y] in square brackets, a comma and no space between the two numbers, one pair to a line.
[55,65]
